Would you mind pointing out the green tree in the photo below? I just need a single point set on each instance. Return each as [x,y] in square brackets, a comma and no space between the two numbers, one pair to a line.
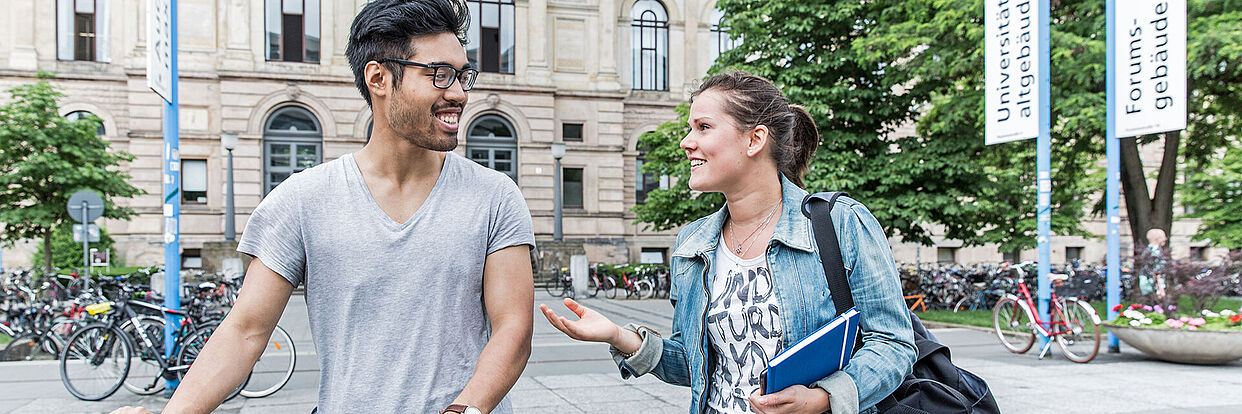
[44,158]
[1214,194]
[863,68]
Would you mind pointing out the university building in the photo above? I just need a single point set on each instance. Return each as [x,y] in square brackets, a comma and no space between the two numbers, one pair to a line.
[593,74]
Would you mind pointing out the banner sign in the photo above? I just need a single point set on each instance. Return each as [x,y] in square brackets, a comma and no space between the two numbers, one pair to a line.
[1012,70]
[1150,67]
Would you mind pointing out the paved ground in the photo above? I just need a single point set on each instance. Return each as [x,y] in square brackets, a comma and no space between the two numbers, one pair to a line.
[564,376]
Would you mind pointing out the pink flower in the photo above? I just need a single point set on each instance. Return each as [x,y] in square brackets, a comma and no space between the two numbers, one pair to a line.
[1159,309]
[1174,323]
[1197,322]
[1172,307]
[1147,308]
[1193,328]
[1184,319]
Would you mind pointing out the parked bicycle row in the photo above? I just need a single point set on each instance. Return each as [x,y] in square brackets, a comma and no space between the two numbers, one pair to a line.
[108,332]
[641,281]
[974,287]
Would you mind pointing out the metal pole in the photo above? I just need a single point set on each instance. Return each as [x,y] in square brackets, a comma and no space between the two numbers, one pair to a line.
[86,238]
[1043,162]
[172,197]
[230,232]
[557,199]
[1112,191]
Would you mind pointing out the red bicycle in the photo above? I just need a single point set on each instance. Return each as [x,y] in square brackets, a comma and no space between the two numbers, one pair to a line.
[1073,324]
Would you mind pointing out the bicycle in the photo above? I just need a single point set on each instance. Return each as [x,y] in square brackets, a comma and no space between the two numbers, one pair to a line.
[96,361]
[562,284]
[598,281]
[636,286]
[1072,323]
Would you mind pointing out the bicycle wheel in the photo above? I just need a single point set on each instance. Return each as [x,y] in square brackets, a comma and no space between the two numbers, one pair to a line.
[645,290]
[555,287]
[962,304]
[1013,325]
[610,287]
[95,362]
[592,287]
[1081,340]
[28,347]
[192,345]
[145,375]
[274,368]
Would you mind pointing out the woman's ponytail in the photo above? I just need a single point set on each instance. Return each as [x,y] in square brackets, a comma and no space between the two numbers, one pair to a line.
[804,139]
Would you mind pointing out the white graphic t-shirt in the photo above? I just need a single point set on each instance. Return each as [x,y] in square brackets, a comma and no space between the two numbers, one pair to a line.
[744,326]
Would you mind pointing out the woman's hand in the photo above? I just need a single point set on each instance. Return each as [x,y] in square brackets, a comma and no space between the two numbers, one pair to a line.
[590,326]
[795,399]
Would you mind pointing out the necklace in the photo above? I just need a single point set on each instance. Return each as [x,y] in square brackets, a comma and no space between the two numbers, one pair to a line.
[750,238]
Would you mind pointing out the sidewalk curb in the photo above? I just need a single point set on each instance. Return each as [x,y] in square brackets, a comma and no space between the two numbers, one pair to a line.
[941,325]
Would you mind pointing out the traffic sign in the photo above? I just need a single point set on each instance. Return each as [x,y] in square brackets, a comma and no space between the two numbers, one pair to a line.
[94,206]
[93,230]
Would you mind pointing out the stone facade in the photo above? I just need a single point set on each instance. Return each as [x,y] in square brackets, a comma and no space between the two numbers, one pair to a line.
[572,64]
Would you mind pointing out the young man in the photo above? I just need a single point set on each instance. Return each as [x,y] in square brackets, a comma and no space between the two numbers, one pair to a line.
[415,260]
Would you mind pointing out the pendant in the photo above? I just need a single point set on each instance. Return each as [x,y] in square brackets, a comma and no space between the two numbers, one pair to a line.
[738,250]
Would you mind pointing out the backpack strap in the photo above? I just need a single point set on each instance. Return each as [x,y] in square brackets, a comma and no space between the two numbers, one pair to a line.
[818,208]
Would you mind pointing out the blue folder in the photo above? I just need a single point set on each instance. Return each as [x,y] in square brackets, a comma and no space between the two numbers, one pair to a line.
[820,354]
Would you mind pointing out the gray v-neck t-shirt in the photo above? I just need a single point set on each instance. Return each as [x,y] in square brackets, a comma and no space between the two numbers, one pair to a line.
[396,309]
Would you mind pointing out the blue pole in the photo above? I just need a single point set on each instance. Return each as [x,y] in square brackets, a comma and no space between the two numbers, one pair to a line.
[1043,163]
[172,197]
[1111,193]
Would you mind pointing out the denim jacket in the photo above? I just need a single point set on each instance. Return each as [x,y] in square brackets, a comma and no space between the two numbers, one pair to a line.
[888,352]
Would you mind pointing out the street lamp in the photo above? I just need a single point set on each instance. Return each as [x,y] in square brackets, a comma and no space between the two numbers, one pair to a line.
[229,140]
[558,152]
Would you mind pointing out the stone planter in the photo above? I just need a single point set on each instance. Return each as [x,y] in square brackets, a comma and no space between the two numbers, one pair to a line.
[1183,346]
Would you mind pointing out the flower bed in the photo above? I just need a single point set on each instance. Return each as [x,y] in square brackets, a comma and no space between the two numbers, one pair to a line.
[1209,337]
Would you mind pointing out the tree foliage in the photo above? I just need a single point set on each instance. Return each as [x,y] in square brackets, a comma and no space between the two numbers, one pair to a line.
[865,68]
[1214,194]
[45,158]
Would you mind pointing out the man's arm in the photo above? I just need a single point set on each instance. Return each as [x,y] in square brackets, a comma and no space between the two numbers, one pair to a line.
[236,344]
[508,297]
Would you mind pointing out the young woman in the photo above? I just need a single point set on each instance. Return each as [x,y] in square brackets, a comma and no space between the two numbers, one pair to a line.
[747,280]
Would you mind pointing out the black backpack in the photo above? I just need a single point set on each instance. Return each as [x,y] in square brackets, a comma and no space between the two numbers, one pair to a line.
[935,385]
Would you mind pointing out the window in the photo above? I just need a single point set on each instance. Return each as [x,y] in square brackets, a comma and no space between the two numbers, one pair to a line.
[572,188]
[946,254]
[652,255]
[649,44]
[191,258]
[492,143]
[720,36]
[194,181]
[292,30]
[491,35]
[1073,254]
[571,132]
[645,181]
[292,142]
[1198,253]
[82,30]
[76,115]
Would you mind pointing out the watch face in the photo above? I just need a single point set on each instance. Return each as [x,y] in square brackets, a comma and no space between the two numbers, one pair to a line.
[471,410]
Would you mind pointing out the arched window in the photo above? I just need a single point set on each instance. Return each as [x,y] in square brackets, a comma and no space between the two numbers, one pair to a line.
[292,142]
[649,43]
[720,36]
[492,142]
[76,115]
[491,35]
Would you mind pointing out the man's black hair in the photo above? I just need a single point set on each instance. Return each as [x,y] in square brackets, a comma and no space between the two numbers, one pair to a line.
[384,28]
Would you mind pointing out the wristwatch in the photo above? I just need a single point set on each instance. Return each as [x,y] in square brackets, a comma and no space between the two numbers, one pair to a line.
[461,409]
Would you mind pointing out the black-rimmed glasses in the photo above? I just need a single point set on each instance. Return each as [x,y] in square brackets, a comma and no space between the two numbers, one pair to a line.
[444,75]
